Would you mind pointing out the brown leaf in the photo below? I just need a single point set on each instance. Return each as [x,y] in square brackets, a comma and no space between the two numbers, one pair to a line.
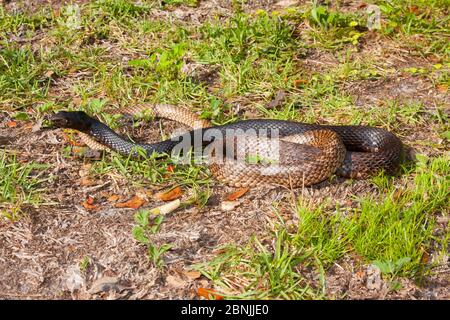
[133,203]
[88,204]
[237,194]
[86,182]
[113,198]
[49,73]
[442,88]
[299,82]
[228,205]
[11,124]
[192,274]
[176,282]
[425,258]
[360,273]
[209,294]
[414,9]
[105,284]
[172,194]
[77,101]
[79,151]
[68,137]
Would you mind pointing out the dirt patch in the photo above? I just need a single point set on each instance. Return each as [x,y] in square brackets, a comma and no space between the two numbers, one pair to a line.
[396,88]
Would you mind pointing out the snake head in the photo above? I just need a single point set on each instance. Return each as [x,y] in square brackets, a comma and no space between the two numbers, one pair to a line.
[77,120]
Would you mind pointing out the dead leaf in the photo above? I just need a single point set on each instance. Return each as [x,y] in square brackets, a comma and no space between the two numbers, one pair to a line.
[360,274]
[192,274]
[113,198]
[86,182]
[209,294]
[11,124]
[49,73]
[229,205]
[414,9]
[79,151]
[298,82]
[442,88]
[84,169]
[68,137]
[133,203]
[425,258]
[237,194]
[172,194]
[166,208]
[105,284]
[88,204]
[176,282]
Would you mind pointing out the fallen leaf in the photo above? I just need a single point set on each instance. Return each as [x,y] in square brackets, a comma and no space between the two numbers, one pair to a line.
[237,194]
[113,198]
[176,282]
[425,258]
[360,273]
[84,169]
[88,204]
[166,208]
[209,294]
[414,9]
[67,136]
[133,203]
[192,274]
[49,73]
[172,194]
[86,182]
[442,88]
[106,284]
[11,124]
[79,151]
[229,205]
[299,82]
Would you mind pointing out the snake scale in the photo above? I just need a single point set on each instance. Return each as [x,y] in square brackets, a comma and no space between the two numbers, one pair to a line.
[305,153]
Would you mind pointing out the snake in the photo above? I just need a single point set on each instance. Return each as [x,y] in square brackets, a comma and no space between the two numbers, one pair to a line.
[254,152]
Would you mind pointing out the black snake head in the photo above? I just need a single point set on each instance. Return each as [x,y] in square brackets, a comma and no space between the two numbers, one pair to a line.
[77,120]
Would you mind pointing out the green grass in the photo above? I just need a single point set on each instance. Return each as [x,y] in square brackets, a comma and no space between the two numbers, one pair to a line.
[108,54]
[392,230]
[19,185]
[152,170]
[145,227]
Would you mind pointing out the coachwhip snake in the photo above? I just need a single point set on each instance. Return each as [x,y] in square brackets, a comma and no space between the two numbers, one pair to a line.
[293,154]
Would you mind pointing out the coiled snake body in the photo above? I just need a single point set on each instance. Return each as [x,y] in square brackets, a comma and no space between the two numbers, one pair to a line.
[294,154]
